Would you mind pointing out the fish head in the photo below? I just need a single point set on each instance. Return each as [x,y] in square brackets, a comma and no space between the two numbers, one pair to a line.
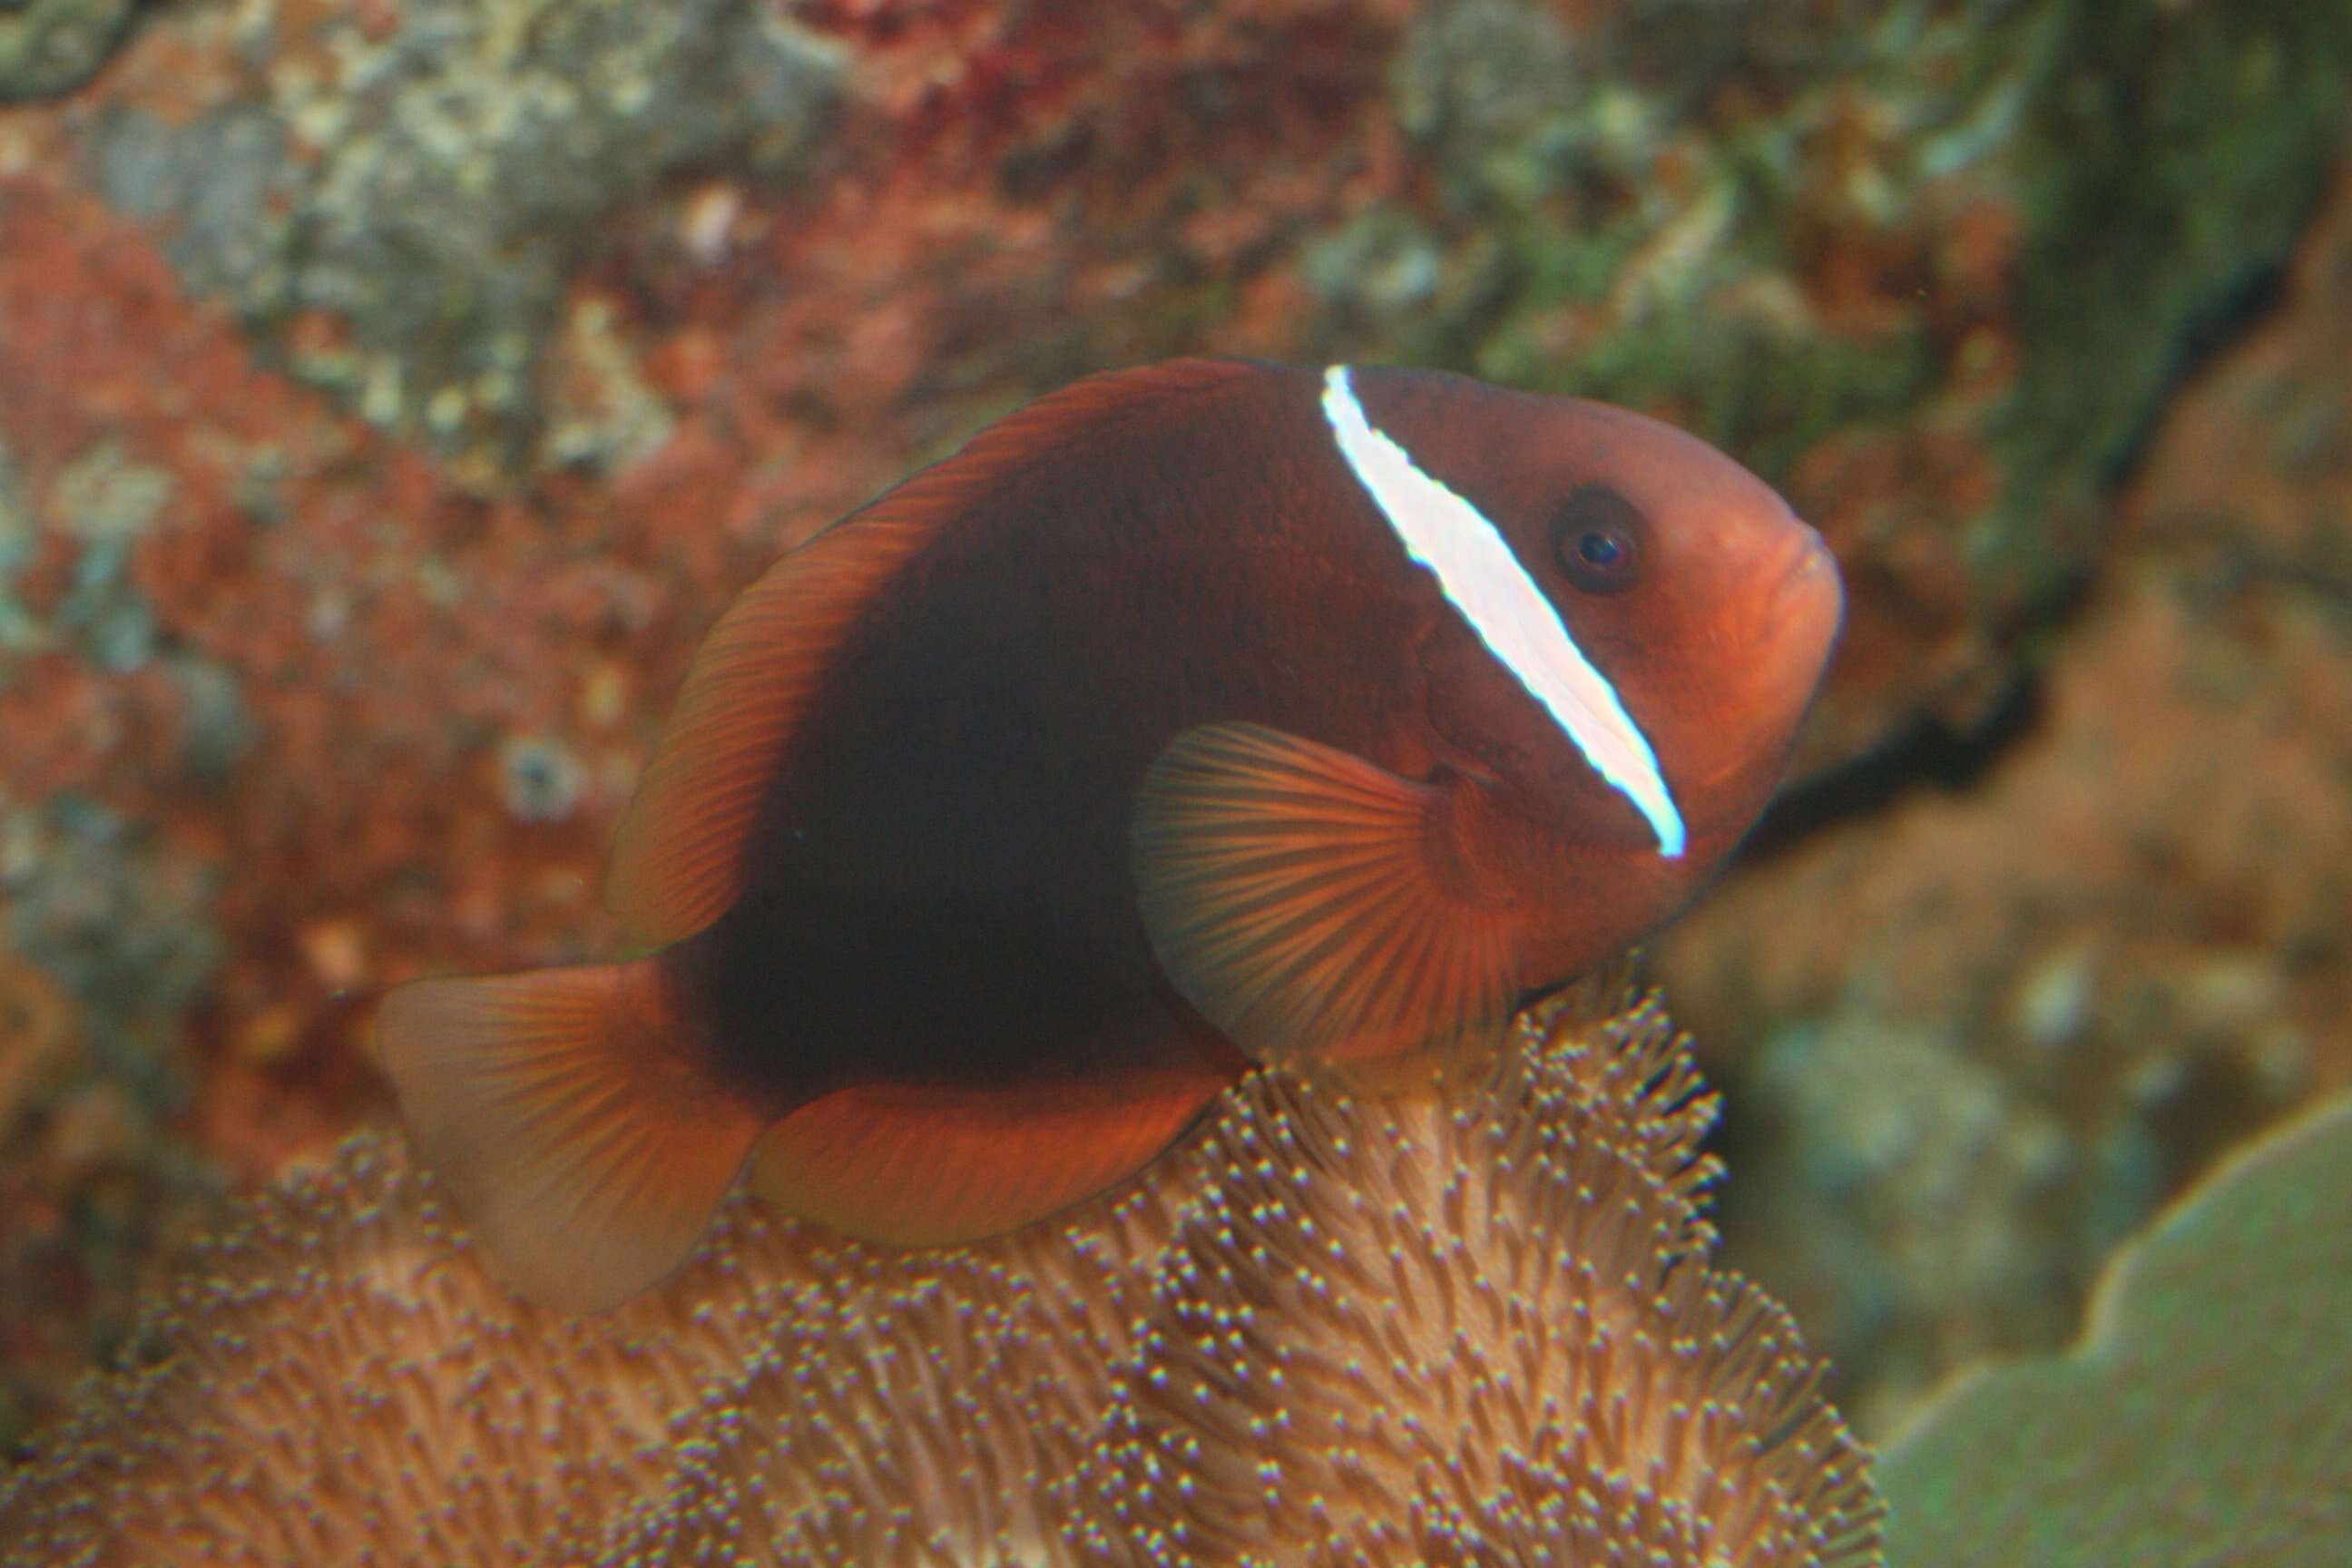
[1635,624]
[1704,607]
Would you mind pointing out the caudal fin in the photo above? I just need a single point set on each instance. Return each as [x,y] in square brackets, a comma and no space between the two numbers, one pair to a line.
[565,1110]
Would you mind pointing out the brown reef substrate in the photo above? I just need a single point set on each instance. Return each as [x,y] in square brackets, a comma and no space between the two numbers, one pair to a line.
[1971,1039]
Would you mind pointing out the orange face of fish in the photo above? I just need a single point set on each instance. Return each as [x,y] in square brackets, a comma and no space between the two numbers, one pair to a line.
[1202,713]
[1714,609]
[1637,628]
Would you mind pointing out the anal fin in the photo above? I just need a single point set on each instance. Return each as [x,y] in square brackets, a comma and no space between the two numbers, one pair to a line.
[1292,894]
[931,1165]
[565,1111]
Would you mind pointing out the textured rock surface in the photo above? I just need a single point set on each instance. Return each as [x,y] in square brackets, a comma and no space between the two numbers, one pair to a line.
[397,205]
[2120,948]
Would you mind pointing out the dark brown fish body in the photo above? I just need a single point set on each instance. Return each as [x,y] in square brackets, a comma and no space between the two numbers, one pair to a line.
[1171,724]
[944,855]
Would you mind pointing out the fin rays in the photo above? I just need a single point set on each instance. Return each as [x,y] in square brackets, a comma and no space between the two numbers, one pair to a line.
[678,858]
[566,1115]
[929,1166]
[1287,890]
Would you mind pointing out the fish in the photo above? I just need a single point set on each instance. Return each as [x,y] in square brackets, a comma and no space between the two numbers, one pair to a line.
[1206,715]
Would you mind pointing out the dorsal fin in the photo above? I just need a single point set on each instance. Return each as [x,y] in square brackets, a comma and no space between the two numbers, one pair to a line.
[678,858]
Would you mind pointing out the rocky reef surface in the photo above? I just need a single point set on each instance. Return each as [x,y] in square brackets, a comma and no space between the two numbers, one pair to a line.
[1981,1030]
[391,391]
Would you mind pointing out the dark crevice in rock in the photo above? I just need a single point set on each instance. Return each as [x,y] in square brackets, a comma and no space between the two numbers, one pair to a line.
[1929,752]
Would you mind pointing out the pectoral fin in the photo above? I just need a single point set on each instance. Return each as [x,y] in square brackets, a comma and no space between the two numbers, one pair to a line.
[1289,891]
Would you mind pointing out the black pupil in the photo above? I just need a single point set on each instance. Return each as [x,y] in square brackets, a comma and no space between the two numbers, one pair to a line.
[1597,539]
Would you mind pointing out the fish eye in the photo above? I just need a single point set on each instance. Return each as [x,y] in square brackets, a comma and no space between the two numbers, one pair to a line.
[1597,540]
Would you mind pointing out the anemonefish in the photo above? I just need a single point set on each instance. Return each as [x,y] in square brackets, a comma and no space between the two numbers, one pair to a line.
[1197,715]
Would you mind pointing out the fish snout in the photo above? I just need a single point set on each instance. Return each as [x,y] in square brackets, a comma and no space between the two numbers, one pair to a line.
[1809,590]
[1806,554]
[1804,611]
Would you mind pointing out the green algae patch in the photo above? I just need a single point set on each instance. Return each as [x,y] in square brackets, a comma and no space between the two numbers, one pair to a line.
[2205,1417]
[433,184]
[48,48]
[2170,157]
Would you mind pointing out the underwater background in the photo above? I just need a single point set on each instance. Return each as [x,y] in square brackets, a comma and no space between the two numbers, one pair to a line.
[393,391]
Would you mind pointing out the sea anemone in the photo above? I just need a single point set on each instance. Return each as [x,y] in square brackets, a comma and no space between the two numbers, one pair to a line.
[1469,1328]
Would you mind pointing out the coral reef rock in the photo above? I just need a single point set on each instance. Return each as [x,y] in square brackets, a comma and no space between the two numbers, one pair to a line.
[2117,952]
[2204,1416]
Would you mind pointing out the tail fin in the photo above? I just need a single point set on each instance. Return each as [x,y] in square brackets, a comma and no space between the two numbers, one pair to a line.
[566,1111]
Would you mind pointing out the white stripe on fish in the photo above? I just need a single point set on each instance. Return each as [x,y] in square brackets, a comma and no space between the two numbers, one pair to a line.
[1483,579]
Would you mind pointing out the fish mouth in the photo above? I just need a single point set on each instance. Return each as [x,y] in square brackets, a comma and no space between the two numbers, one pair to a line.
[1808,595]
[1808,557]
[1805,612]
